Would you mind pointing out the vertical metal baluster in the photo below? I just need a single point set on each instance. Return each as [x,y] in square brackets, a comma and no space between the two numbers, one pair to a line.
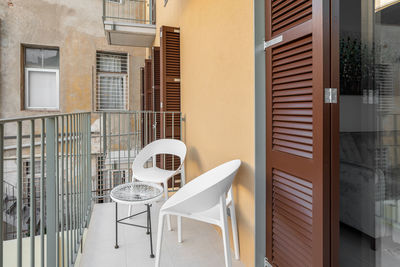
[80,180]
[154,126]
[67,154]
[146,129]
[89,170]
[70,191]
[1,190]
[19,194]
[84,155]
[62,195]
[50,193]
[110,166]
[78,177]
[32,210]
[57,192]
[164,123]
[119,148]
[129,147]
[42,193]
[173,157]
[74,188]
[183,173]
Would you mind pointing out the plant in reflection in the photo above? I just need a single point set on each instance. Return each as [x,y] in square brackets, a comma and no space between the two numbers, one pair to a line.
[356,66]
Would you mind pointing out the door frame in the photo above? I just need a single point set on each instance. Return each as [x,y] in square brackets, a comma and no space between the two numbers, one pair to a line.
[260,133]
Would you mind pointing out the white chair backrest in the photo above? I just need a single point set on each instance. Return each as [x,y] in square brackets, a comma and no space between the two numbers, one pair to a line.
[161,146]
[204,192]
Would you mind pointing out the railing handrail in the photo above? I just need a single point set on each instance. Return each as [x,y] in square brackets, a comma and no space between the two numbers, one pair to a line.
[35,117]
[140,11]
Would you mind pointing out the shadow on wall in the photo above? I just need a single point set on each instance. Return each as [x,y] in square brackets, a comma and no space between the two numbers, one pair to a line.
[194,158]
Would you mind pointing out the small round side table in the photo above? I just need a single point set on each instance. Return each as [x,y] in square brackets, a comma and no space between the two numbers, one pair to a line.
[136,193]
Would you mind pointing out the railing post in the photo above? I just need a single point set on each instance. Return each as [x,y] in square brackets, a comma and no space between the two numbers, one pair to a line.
[104,133]
[50,193]
[1,190]
[19,194]
[151,11]
[89,169]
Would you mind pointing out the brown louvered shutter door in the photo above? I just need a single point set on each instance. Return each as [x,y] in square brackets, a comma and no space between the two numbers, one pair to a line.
[148,102]
[298,221]
[170,93]
[155,56]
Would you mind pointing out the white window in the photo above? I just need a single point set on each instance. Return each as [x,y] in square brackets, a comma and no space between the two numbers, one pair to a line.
[41,78]
[112,81]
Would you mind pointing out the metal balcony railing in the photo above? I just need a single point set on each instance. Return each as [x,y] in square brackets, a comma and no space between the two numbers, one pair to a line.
[45,187]
[129,11]
[120,137]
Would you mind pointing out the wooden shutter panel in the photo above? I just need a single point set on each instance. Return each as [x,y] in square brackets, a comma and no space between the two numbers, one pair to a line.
[170,93]
[148,102]
[298,221]
[156,87]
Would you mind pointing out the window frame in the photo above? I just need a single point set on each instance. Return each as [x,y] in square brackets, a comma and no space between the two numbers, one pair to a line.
[23,79]
[125,80]
[126,77]
[27,89]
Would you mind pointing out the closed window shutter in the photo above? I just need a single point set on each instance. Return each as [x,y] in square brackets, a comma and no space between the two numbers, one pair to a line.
[170,90]
[298,144]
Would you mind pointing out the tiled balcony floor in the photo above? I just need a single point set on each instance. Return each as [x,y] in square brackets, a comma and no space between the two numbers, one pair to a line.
[201,246]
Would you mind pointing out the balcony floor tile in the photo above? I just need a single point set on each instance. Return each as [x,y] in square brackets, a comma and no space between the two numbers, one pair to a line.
[200,246]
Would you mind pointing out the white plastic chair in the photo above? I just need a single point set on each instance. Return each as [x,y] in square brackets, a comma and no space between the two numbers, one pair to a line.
[199,199]
[155,174]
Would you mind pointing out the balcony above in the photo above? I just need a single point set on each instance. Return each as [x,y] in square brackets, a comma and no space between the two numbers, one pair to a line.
[129,22]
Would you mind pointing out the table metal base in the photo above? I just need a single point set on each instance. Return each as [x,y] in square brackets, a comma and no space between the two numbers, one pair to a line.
[147,227]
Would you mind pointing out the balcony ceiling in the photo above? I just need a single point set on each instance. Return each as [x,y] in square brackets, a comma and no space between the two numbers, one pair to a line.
[129,34]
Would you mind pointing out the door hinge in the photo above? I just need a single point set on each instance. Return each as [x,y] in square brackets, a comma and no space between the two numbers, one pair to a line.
[266,263]
[330,95]
[273,41]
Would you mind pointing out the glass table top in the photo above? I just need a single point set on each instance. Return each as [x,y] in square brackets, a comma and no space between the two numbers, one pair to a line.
[136,191]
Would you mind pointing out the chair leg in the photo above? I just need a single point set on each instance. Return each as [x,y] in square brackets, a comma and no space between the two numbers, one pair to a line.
[225,232]
[130,210]
[159,238]
[179,220]
[234,230]
[166,198]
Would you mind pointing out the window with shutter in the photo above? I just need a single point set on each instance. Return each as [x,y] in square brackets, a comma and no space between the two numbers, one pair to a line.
[298,144]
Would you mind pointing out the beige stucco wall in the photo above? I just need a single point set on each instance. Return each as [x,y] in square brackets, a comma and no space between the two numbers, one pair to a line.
[76,27]
[217,92]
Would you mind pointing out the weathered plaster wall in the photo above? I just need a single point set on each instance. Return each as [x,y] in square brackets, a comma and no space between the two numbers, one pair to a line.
[217,75]
[75,27]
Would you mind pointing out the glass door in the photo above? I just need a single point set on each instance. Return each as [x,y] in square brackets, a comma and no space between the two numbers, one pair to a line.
[369,133]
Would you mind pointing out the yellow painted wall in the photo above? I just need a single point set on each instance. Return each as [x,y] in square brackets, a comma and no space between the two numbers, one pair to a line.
[217,75]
